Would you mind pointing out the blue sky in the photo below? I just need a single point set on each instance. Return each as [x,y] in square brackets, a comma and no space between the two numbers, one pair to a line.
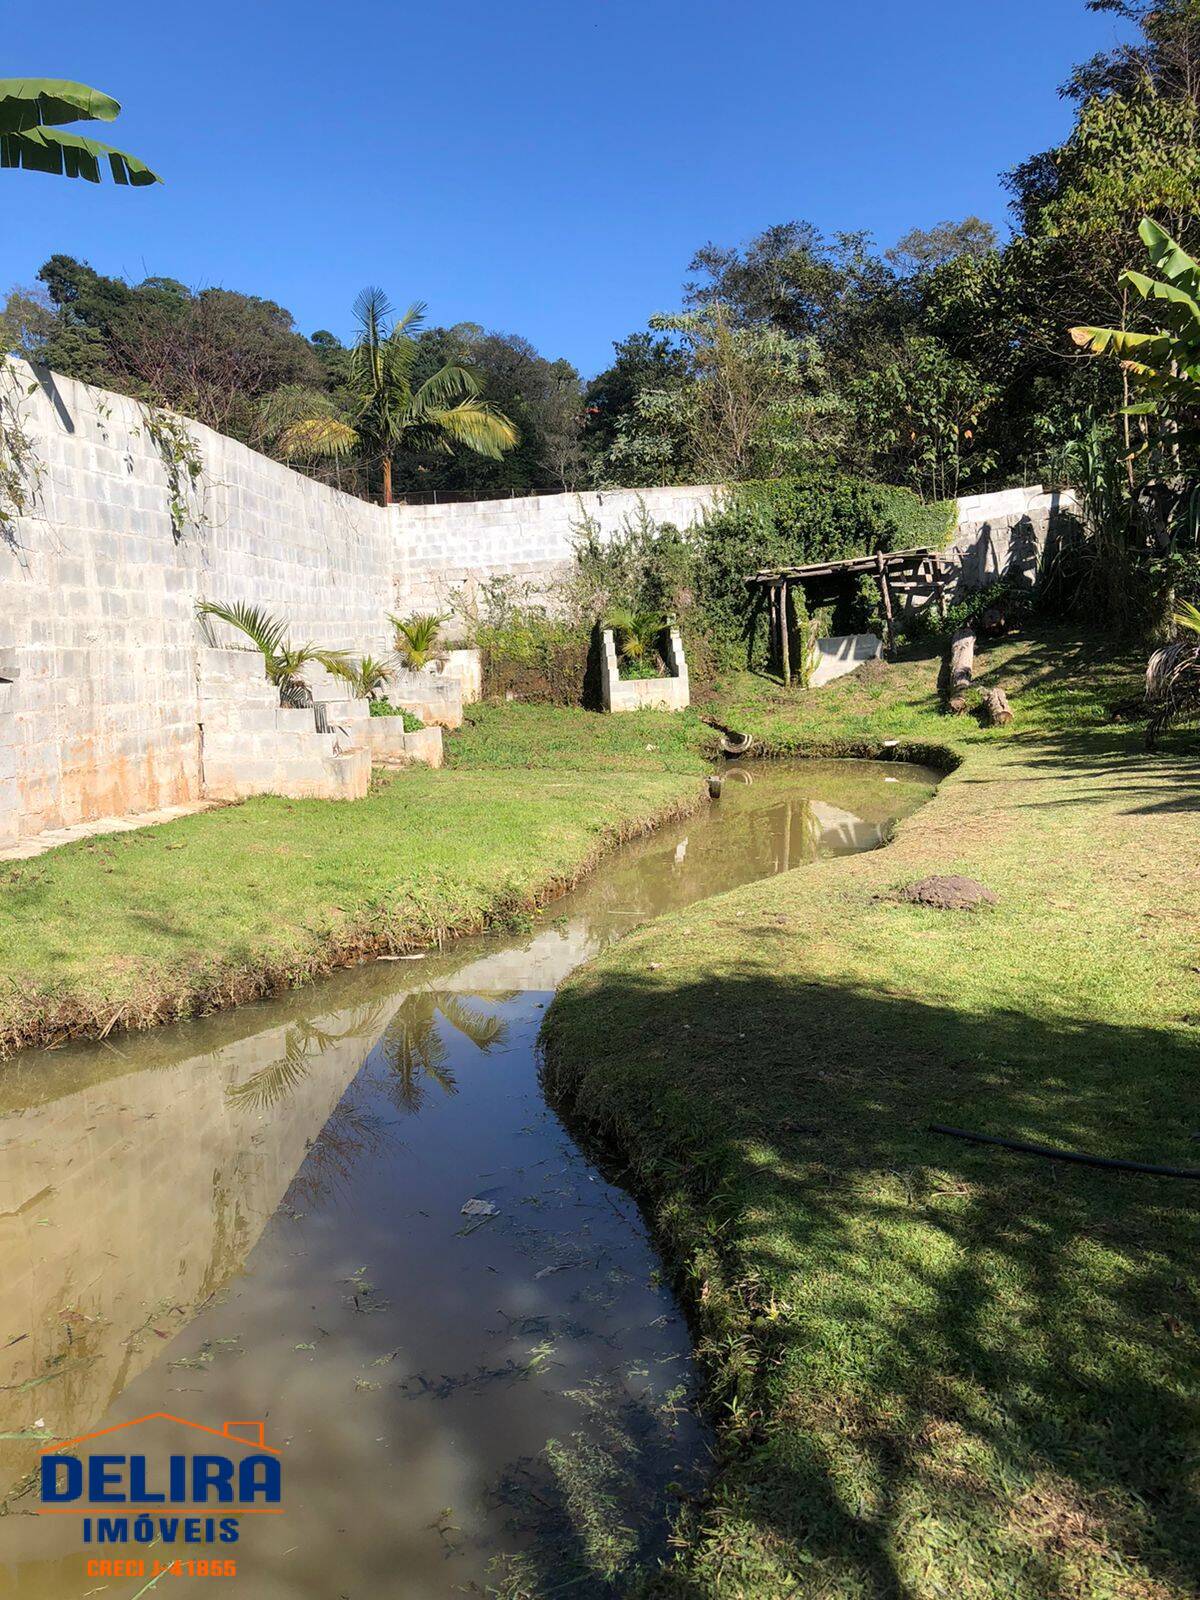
[546,169]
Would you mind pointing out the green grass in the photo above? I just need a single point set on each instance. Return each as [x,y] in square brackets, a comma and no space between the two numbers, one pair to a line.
[936,1368]
[148,926]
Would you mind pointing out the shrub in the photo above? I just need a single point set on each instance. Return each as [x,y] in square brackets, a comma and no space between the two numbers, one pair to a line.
[1015,600]
[384,708]
[528,652]
[791,522]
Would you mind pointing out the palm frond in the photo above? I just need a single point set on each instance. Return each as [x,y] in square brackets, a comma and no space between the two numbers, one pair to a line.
[263,630]
[316,436]
[412,321]
[416,637]
[475,424]
[447,385]
[373,312]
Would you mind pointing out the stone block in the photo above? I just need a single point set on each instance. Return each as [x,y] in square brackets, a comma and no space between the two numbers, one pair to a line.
[389,744]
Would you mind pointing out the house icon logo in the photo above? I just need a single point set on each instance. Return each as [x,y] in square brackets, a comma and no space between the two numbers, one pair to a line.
[164,1478]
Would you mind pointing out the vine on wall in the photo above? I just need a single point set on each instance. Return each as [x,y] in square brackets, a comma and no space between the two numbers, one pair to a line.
[179,451]
[20,468]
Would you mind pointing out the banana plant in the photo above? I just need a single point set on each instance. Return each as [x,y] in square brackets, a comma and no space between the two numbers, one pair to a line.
[1165,364]
[284,662]
[32,111]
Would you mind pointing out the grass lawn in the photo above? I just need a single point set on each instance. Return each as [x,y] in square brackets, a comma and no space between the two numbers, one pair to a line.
[937,1368]
[144,927]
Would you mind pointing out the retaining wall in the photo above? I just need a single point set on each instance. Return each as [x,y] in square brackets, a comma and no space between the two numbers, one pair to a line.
[99,703]
[445,552]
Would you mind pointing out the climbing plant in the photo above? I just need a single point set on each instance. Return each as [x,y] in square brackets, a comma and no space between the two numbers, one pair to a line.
[20,467]
[179,451]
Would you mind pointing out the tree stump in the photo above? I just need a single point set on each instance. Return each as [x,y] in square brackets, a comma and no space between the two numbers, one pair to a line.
[994,708]
[960,668]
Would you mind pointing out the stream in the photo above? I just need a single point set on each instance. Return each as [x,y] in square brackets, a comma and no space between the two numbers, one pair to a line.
[259,1215]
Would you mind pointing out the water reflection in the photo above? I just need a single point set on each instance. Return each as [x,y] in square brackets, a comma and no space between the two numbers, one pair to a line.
[260,1215]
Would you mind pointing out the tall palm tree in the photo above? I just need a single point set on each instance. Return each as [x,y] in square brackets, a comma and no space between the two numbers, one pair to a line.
[386,411]
[31,136]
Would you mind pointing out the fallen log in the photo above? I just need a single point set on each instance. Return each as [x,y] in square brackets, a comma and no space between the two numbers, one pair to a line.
[994,709]
[960,668]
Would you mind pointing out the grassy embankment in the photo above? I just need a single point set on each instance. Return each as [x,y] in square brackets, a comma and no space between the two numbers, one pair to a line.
[937,1368]
[131,929]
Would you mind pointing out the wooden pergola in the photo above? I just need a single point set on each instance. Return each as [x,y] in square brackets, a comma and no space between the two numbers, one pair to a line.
[896,571]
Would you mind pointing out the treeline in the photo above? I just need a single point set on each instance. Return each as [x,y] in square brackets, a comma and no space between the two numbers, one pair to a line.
[942,364]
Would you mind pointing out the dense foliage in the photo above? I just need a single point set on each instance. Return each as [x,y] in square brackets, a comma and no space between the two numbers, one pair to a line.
[542,647]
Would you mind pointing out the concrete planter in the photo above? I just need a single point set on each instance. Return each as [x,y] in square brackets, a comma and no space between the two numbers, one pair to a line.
[391,746]
[428,695]
[644,694]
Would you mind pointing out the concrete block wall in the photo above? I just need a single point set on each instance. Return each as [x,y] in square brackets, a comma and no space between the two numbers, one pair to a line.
[98,590]
[1004,535]
[447,551]
[99,698]
[840,654]
[250,744]
[391,746]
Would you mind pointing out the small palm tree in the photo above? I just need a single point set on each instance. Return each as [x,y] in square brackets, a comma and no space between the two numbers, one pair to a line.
[284,661]
[416,638]
[386,411]
[369,678]
[32,111]
[1173,676]
[636,634]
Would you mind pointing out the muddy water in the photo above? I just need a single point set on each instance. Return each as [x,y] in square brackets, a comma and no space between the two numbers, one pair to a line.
[259,1216]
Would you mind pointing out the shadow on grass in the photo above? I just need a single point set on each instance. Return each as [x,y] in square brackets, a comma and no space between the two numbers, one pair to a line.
[979,1371]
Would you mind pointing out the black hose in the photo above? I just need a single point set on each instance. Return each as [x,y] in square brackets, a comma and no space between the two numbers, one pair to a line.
[1065,1155]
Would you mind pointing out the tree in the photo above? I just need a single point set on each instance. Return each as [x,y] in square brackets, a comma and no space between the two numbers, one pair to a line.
[922,408]
[542,399]
[386,410]
[32,111]
[924,249]
[644,361]
[752,402]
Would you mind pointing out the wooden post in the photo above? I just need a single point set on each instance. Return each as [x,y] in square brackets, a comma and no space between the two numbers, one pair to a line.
[772,626]
[885,591]
[784,641]
[939,590]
